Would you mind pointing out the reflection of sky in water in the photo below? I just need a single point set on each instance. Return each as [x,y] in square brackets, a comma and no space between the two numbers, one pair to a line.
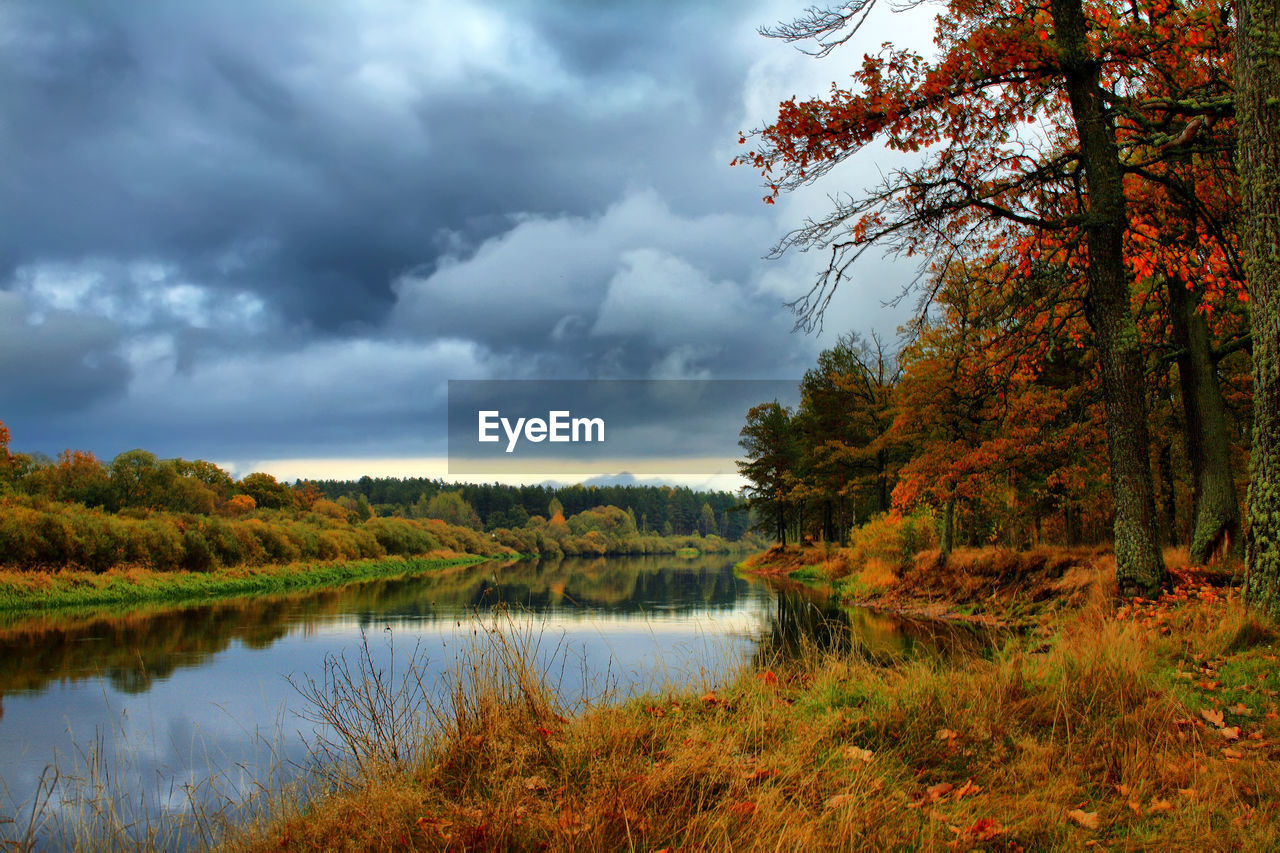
[231,710]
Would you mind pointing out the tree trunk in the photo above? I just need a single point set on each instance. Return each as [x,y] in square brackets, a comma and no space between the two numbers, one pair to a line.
[1139,560]
[1258,115]
[1169,496]
[948,528]
[1215,511]
[1071,521]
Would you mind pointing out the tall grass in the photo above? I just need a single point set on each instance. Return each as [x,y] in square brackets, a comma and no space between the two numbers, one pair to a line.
[827,750]
[1082,731]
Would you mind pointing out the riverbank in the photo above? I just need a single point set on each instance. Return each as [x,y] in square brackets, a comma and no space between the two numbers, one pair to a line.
[29,591]
[1152,724]
[989,586]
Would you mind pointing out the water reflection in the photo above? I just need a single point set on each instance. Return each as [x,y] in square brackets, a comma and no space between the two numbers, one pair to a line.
[172,695]
[806,619]
[134,649]
[177,695]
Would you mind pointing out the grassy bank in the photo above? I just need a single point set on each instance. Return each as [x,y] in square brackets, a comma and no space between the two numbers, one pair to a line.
[30,591]
[1152,725]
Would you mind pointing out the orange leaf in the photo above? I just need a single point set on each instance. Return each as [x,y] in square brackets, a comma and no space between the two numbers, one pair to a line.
[1214,717]
[857,753]
[983,829]
[743,809]
[1089,820]
[839,800]
[938,791]
[1231,733]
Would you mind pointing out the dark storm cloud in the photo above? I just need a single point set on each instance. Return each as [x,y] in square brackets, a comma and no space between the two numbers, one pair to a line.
[139,134]
[59,364]
[278,227]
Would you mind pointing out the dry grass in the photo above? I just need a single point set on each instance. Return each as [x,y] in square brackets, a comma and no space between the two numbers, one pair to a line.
[1087,716]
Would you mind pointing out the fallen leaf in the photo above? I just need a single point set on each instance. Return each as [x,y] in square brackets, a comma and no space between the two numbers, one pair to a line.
[761,773]
[946,734]
[983,829]
[857,753]
[1241,709]
[1230,732]
[967,788]
[1160,805]
[1189,793]
[711,699]
[1232,753]
[743,809]
[938,791]
[839,800]
[1214,717]
[1135,807]
[535,783]
[1089,820]
[768,677]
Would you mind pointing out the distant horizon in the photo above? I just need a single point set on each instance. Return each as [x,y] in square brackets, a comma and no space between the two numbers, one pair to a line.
[291,470]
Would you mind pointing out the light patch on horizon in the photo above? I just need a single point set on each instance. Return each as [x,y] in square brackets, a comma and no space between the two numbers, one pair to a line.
[437,468]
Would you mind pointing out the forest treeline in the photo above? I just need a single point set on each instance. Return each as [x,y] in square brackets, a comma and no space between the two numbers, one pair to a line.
[164,514]
[1097,312]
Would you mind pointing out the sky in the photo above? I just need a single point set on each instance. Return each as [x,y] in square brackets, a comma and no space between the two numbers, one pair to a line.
[268,233]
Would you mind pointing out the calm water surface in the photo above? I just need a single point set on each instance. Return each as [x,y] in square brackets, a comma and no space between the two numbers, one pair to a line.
[171,697]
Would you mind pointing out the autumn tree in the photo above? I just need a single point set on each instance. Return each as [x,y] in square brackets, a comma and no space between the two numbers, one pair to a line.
[6,458]
[266,491]
[1258,106]
[78,477]
[997,406]
[1078,69]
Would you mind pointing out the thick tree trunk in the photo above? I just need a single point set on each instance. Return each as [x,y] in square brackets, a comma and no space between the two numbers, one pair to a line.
[1258,114]
[1216,513]
[1139,559]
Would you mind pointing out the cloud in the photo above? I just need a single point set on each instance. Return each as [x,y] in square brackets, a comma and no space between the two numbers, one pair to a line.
[620,294]
[243,225]
[56,362]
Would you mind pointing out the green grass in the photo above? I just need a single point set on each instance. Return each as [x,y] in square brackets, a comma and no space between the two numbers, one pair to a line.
[807,573]
[21,592]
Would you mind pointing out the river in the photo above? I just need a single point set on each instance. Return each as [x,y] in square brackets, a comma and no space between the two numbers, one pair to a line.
[168,706]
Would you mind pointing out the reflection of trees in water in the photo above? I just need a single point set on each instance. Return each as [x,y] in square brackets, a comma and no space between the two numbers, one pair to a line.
[804,622]
[135,648]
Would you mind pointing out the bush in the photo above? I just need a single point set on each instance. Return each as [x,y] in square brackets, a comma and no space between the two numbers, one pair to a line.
[892,539]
